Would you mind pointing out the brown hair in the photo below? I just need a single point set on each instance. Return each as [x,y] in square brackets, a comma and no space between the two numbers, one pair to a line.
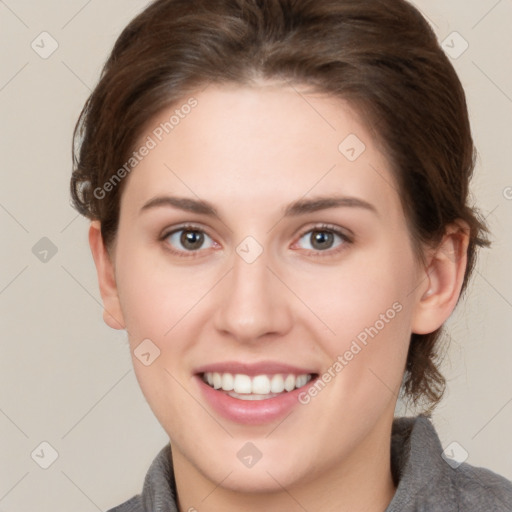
[380,55]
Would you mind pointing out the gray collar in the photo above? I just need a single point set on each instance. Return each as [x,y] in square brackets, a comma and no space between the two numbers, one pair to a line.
[426,482]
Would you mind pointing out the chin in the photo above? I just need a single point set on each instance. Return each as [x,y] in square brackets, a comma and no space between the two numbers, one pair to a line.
[265,480]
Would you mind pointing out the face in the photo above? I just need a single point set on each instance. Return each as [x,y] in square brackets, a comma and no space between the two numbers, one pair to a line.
[263,248]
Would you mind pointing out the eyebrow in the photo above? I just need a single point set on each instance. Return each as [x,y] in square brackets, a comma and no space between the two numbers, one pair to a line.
[299,207]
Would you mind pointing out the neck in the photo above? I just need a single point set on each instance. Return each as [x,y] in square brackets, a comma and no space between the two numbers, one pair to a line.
[361,482]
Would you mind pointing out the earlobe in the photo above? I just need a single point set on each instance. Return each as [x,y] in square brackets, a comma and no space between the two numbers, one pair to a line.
[112,314]
[442,280]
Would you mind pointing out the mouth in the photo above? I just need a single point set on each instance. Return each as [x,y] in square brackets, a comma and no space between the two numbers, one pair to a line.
[258,387]
[253,394]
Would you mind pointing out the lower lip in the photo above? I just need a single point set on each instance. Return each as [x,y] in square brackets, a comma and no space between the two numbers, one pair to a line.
[252,412]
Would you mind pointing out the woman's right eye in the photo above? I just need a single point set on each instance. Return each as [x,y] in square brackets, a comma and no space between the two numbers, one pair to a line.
[188,240]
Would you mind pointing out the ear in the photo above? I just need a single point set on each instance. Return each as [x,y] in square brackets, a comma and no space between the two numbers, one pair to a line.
[441,280]
[112,314]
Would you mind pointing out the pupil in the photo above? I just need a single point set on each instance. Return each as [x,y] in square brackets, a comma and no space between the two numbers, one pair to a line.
[322,239]
[192,239]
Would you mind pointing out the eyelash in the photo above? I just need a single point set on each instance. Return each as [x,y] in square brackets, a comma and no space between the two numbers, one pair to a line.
[346,240]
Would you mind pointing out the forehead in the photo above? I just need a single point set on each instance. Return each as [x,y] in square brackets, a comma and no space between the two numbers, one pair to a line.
[259,144]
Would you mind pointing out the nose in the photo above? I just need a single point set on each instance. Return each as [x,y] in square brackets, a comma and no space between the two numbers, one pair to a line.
[254,303]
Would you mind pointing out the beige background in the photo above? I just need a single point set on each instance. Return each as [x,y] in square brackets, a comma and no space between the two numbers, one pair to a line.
[66,378]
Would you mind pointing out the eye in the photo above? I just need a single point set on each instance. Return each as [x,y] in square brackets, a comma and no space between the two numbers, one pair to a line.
[324,239]
[187,239]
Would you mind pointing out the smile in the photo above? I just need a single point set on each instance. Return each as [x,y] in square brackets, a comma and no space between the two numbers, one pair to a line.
[259,387]
[253,393]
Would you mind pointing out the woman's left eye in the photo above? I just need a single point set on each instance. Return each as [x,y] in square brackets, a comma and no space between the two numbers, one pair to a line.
[323,239]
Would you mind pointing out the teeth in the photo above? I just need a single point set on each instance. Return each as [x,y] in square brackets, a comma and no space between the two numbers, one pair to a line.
[242,384]
[250,397]
[217,380]
[259,386]
[228,382]
[290,382]
[301,380]
[277,384]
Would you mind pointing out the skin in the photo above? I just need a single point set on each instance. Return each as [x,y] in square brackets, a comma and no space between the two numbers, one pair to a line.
[250,152]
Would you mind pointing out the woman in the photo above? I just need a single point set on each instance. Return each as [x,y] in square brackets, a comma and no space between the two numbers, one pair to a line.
[279,201]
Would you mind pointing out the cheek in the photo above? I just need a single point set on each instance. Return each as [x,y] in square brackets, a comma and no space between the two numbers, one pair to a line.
[154,295]
[157,305]
[353,296]
[365,308]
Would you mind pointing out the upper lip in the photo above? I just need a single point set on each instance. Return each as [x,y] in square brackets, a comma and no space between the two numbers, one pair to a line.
[253,369]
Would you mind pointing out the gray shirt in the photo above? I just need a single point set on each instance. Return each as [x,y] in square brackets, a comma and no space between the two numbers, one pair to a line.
[426,481]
